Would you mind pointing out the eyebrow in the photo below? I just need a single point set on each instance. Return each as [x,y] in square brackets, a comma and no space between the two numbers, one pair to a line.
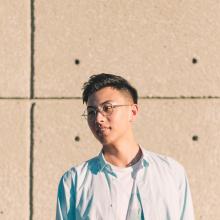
[108,101]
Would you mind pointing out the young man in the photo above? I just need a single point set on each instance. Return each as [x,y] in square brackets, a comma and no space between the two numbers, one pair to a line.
[125,181]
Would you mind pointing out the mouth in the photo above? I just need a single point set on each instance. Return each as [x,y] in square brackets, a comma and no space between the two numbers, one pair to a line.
[101,131]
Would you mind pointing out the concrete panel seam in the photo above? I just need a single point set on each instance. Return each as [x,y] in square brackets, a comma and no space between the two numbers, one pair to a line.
[32,70]
[31,166]
[179,97]
[15,98]
[141,97]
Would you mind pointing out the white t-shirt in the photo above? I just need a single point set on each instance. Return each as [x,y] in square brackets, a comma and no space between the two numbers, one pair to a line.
[122,189]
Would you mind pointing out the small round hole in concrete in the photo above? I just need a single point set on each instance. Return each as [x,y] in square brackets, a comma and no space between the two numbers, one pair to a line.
[77,138]
[194,60]
[77,61]
[195,138]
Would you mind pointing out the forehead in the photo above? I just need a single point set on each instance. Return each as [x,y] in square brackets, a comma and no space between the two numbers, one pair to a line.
[107,94]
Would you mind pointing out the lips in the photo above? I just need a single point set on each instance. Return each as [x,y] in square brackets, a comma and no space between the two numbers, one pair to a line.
[102,130]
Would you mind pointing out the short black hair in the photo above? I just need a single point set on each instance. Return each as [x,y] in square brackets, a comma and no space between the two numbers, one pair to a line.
[102,80]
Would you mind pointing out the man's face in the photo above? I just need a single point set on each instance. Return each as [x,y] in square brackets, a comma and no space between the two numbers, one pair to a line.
[110,129]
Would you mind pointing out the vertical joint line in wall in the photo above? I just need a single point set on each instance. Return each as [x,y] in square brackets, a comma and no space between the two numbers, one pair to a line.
[31,177]
[32,70]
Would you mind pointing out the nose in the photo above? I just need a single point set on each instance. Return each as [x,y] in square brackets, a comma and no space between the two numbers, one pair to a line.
[99,117]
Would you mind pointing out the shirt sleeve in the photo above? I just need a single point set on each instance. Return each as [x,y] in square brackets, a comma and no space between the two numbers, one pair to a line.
[65,209]
[187,211]
[185,198]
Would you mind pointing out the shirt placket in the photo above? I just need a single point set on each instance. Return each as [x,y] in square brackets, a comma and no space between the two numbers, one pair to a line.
[110,177]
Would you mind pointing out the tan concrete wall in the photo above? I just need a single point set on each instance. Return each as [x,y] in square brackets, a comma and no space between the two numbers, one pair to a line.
[15,48]
[168,50]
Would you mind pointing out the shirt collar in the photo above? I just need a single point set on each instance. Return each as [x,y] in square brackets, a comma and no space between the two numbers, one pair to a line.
[103,164]
[145,161]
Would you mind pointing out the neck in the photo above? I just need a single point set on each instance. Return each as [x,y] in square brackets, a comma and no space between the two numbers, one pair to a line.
[122,154]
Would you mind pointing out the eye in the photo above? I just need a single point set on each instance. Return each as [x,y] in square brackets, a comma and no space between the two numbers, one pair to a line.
[107,108]
[91,112]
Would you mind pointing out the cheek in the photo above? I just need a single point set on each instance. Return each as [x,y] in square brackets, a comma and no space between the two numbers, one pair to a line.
[120,120]
[91,125]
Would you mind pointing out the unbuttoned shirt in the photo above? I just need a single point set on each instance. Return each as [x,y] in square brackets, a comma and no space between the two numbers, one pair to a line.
[159,191]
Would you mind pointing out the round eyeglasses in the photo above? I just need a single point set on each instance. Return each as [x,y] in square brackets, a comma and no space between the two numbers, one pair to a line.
[105,109]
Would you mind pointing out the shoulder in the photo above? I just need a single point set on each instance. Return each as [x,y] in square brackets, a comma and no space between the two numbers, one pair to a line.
[72,175]
[165,166]
[161,161]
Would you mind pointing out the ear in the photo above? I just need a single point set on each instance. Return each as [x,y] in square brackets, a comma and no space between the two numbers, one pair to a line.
[134,112]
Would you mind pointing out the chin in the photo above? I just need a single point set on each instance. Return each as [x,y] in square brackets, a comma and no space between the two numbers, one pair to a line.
[105,140]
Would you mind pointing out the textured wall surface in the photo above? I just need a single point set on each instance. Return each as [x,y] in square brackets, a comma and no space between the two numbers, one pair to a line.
[167,49]
[15,48]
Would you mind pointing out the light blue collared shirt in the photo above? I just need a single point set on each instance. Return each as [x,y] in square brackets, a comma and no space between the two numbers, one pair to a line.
[161,191]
